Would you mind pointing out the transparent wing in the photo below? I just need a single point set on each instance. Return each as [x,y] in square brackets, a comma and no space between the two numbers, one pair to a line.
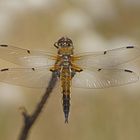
[26,57]
[29,77]
[109,58]
[103,78]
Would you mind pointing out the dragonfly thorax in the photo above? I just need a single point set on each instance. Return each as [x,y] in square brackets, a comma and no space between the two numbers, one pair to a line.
[65,51]
[65,61]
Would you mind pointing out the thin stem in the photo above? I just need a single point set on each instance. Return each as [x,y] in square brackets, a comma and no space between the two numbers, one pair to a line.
[29,120]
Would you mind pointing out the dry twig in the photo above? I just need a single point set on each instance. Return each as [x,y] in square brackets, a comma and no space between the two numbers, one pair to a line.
[29,120]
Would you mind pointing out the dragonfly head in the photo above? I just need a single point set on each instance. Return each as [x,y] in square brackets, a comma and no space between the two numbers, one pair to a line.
[64,42]
[64,46]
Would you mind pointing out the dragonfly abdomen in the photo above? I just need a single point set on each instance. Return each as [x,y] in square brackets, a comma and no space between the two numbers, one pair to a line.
[66,85]
[66,106]
[65,78]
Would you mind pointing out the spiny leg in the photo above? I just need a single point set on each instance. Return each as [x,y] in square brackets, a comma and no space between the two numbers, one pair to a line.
[76,68]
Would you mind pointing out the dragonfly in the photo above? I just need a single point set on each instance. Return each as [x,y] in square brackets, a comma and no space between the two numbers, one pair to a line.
[90,70]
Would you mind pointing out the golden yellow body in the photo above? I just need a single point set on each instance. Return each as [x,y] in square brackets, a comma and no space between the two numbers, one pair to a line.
[65,72]
[65,78]
[65,69]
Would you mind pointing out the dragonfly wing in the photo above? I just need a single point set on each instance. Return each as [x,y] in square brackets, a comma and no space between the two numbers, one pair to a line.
[26,57]
[103,78]
[109,58]
[28,77]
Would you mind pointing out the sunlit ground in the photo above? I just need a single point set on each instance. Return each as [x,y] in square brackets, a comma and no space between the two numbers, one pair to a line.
[93,25]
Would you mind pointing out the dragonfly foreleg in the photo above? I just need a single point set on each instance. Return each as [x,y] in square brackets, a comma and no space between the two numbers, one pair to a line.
[55,68]
[76,68]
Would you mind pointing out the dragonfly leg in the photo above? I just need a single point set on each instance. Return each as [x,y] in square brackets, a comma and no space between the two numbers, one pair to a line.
[54,68]
[76,68]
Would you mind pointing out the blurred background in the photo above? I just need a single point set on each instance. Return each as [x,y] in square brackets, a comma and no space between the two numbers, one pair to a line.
[93,25]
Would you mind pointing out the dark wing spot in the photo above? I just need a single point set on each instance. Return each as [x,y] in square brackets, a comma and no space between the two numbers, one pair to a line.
[4,45]
[129,47]
[105,52]
[128,71]
[28,51]
[4,69]
[33,69]
[99,69]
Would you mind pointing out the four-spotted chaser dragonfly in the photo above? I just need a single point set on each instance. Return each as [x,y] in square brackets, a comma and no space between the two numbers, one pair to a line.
[85,70]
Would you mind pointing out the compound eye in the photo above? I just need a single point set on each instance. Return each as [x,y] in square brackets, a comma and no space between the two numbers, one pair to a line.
[69,44]
[60,44]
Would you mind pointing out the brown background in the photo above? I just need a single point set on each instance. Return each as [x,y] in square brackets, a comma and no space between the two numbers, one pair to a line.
[93,25]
